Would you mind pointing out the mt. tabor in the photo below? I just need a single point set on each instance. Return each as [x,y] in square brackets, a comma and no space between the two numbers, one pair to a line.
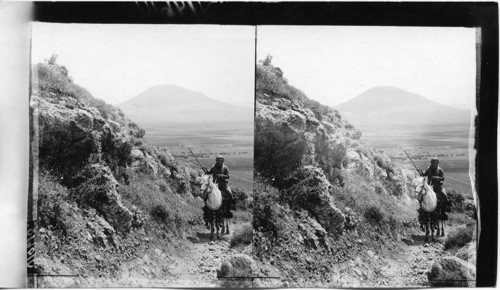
[387,108]
[170,106]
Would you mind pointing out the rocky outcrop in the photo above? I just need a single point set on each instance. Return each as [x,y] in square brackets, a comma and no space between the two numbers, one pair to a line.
[300,136]
[135,158]
[97,189]
[311,191]
[301,131]
[72,134]
[452,272]
[92,151]
[312,233]
[315,152]
[100,232]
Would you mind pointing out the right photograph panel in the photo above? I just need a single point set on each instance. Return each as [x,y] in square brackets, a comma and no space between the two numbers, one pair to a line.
[364,161]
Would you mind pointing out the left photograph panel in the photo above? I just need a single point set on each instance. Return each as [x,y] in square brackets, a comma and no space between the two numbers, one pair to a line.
[141,154]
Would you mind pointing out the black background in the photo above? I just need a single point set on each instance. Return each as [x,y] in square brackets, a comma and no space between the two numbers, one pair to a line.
[464,14]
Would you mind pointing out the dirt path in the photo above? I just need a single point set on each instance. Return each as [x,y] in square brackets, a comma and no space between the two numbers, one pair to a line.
[410,268]
[403,266]
[197,266]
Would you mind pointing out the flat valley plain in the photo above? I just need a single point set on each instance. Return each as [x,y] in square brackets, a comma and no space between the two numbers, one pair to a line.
[449,142]
[234,142]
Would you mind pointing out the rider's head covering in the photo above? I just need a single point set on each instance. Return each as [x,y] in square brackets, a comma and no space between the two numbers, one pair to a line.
[219,157]
[434,159]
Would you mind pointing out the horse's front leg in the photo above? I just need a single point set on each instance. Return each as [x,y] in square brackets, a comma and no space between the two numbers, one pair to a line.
[217,227]
[433,229]
[212,230]
[427,231]
[227,226]
[222,226]
[442,228]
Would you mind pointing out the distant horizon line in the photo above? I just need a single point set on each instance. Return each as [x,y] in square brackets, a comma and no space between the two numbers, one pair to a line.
[461,106]
[238,104]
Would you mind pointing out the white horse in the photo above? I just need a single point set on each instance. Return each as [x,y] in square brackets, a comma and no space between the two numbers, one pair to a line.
[213,201]
[428,203]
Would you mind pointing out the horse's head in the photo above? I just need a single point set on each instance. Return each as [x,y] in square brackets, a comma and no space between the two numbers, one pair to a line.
[206,183]
[422,186]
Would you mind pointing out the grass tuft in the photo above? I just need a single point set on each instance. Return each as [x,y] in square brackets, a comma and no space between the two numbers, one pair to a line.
[459,238]
[243,236]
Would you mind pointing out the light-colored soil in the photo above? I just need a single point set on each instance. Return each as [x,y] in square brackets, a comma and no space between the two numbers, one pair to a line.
[191,262]
[197,265]
[407,267]
[410,269]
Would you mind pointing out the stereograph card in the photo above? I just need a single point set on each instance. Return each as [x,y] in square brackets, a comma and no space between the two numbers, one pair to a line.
[184,153]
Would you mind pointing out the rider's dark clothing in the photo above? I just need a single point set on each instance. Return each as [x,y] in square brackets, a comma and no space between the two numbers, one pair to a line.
[220,175]
[435,177]
[437,181]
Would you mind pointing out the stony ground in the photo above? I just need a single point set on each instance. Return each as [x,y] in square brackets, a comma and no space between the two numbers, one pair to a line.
[193,262]
[189,262]
[406,266]
[197,265]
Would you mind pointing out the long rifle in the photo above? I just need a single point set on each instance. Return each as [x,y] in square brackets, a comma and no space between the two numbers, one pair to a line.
[418,169]
[196,158]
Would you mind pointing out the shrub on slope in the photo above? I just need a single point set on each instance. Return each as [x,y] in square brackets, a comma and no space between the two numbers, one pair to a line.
[53,83]
[93,160]
[308,162]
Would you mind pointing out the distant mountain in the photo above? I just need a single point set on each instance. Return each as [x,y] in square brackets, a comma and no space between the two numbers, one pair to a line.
[383,108]
[170,106]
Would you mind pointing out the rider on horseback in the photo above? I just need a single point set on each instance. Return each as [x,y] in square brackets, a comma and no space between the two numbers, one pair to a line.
[435,177]
[220,174]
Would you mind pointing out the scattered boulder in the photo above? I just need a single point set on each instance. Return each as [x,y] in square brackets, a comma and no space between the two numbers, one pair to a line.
[370,254]
[452,272]
[407,241]
[138,217]
[192,238]
[237,266]
[351,219]
[468,253]
[353,155]
[135,158]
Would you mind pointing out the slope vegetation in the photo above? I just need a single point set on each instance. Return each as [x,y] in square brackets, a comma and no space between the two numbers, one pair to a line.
[111,209]
[325,204]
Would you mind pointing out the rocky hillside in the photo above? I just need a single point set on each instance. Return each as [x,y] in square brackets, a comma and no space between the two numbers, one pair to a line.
[111,209]
[329,211]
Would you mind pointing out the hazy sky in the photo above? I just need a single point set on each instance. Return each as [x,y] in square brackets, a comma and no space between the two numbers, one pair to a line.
[334,64]
[117,62]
